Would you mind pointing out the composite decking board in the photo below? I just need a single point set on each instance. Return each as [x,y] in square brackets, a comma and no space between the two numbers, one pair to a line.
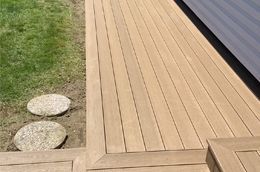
[197,66]
[95,134]
[184,168]
[165,122]
[211,112]
[233,32]
[178,118]
[133,134]
[44,167]
[237,102]
[172,68]
[69,160]
[112,117]
[181,85]
[196,115]
[233,97]
[186,66]
[149,159]
[179,112]
[250,160]
[220,79]
[201,95]
[207,79]
[231,76]
[168,88]
[171,95]
[151,133]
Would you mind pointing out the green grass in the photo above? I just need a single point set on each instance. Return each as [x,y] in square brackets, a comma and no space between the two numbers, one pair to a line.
[37,48]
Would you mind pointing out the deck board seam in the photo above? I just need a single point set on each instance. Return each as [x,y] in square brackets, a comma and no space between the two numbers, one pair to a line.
[156,74]
[203,111]
[113,69]
[128,77]
[167,71]
[222,115]
[164,40]
[200,83]
[103,113]
[185,77]
[210,72]
[141,76]
[215,80]
[184,106]
[139,66]
[232,85]
[211,79]
[211,61]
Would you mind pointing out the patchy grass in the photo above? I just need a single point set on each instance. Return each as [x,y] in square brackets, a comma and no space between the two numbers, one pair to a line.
[37,50]
[41,50]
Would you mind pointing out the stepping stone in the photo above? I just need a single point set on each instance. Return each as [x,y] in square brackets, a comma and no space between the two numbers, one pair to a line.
[49,105]
[42,135]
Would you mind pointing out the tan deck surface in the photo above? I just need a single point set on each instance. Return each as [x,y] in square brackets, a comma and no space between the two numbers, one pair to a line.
[70,160]
[156,85]
[237,154]
[156,91]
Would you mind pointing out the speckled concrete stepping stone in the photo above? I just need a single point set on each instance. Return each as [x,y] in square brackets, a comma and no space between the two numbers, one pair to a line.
[49,105]
[42,135]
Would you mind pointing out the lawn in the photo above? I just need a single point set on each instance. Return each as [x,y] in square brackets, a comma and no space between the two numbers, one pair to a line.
[40,50]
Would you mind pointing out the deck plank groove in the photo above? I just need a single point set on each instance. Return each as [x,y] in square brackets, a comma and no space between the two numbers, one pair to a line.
[197,68]
[235,99]
[152,136]
[95,121]
[113,126]
[180,117]
[164,80]
[165,122]
[197,89]
[231,76]
[133,133]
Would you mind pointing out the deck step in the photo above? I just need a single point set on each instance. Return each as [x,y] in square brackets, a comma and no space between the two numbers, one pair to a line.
[66,160]
[234,154]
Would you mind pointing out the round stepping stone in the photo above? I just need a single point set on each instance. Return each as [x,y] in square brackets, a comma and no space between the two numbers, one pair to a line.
[43,135]
[49,105]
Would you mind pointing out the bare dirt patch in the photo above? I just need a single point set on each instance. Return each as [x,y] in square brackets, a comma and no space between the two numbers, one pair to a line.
[73,120]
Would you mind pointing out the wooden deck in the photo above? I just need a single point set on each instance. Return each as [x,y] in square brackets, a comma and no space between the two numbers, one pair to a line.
[157,90]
